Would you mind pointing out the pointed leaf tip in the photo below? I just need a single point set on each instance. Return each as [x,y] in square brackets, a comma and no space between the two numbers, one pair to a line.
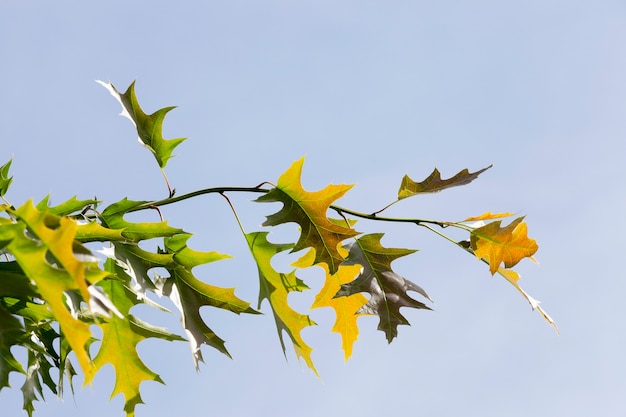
[309,210]
[434,183]
[149,126]
[508,245]
[388,290]
[5,180]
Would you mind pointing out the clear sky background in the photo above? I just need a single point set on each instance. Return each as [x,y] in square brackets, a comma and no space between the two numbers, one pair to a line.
[368,91]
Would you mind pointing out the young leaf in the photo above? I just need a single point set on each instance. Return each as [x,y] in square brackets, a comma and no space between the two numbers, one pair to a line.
[149,127]
[5,180]
[434,183]
[275,288]
[509,244]
[309,209]
[388,290]
[346,308]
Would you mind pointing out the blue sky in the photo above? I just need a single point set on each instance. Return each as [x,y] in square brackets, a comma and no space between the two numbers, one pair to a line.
[368,91]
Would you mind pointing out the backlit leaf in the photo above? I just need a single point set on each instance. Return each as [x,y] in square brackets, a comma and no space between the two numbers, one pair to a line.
[120,337]
[275,288]
[189,294]
[5,180]
[434,183]
[497,245]
[345,307]
[513,277]
[68,207]
[113,217]
[309,210]
[488,216]
[149,127]
[388,290]
[36,237]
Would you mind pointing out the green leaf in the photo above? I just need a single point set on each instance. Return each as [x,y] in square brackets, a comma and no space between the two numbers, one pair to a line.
[120,337]
[149,127]
[92,231]
[113,217]
[388,290]
[5,180]
[275,288]
[134,263]
[13,281]
[36,237]
[73,205]
[434,183]
[10,331]
[308,209]
[189,294]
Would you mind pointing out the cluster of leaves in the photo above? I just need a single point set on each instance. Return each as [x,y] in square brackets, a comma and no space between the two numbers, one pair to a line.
[53,288]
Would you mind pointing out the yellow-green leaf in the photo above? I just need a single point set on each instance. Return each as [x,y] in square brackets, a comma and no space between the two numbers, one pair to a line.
[508,245]
[309,210]
[37,238]
[275,287]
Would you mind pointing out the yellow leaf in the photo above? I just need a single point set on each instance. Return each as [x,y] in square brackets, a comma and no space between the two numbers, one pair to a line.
[509,244]
[488,216]
[345,307]
[309,210]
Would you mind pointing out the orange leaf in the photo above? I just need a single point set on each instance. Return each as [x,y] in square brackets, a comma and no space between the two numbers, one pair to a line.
[509,244]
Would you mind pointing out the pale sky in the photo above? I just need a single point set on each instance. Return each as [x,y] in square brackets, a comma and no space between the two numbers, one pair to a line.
[368,91]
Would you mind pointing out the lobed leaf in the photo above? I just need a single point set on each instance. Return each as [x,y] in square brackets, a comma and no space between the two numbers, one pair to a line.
[11,330]
[487,216]
[346,308]
[36,237]
[308,209]
[113,217]
[190,294]
[119,347]
[5,180]
[497,245]
[66,208]
[275,288]
[149,127]
[434,183]
[388,290]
